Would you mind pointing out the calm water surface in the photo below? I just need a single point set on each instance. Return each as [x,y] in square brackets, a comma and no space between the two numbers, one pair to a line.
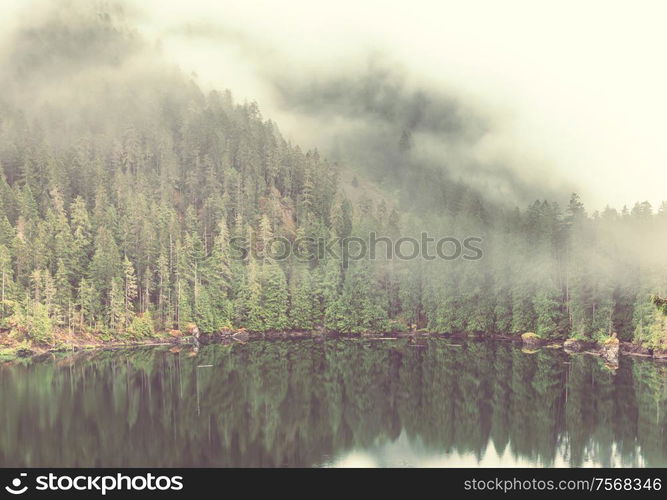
[337,403]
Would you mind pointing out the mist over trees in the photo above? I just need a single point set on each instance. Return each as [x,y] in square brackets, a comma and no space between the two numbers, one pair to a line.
[123,185]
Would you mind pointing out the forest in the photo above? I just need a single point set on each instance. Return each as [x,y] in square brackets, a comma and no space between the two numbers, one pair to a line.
[117,209]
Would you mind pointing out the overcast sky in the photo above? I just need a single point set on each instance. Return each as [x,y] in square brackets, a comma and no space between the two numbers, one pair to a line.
[576,91]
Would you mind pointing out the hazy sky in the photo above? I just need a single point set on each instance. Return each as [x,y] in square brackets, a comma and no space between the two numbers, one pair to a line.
[575,90]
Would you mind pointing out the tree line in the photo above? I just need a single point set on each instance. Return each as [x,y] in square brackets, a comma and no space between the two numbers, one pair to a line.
[126,230]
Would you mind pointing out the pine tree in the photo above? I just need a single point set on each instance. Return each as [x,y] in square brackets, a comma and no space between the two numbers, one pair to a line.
[129,291]
[7,233]
[303,314]
[547,306]
[163,287]
[274,298]
[116,309]
[105,265]
[87,303]
[82,239]
[356,309]
[328,282]
[248,304]
[6,284]
[219,270]
[63,294]
[523,314]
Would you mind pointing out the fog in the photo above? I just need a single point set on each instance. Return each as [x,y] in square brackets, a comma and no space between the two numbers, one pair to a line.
[574,93]
[519,100]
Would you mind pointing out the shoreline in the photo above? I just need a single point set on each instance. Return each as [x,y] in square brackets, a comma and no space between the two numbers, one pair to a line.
[89,342]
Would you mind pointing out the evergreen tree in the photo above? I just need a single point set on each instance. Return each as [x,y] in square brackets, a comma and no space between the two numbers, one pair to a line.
[303,313]
[274,298]
[248,303]
[129,291]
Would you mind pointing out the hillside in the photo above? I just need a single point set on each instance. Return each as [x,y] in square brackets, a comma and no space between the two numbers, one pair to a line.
[126,190]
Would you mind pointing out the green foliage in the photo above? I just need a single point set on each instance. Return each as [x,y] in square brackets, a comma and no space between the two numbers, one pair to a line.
[502,312]
[644,318]
[660,303]
[303,312]
[653,334]
[211,316]
[248,304]
[33,324]
[274,297]
[523,313]
[356,309]
[548,310]
[141,326]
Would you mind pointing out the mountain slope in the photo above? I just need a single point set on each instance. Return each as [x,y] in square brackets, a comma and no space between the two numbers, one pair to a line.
[132,202]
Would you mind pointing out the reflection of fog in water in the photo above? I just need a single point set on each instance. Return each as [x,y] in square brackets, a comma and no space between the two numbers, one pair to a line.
[406,453]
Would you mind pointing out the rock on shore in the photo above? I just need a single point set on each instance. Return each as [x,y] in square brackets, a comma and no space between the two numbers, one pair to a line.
[610,349]
[532,339]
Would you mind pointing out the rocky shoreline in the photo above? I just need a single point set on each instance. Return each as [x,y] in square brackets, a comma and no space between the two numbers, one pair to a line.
[609,350]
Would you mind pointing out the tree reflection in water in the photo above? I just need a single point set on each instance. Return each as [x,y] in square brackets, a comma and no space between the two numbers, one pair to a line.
[343,402]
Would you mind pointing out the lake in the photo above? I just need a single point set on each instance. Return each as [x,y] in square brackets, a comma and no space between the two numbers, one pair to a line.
[347,402]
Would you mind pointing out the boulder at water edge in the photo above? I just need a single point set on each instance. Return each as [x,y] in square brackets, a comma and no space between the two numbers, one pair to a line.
[610,349]
[530,338]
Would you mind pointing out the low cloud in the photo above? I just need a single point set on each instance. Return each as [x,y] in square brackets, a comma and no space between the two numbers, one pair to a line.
[489,95]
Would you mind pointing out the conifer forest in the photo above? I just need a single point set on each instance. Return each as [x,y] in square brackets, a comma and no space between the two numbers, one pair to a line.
[122,207]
